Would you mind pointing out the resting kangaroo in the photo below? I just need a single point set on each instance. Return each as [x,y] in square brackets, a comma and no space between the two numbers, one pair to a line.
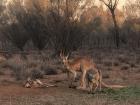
[82,64]
[36,83]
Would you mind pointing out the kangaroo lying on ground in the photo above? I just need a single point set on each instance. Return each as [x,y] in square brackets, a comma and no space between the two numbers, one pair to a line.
[36,83]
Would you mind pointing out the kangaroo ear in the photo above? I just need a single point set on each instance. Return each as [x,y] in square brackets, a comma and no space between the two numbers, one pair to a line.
[67,56]
[61,54]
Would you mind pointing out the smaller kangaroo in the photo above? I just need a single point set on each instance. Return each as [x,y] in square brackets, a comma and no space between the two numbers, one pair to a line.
[94,78]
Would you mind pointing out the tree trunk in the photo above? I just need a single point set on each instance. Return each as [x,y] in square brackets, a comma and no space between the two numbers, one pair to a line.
[58,7]
[116,37]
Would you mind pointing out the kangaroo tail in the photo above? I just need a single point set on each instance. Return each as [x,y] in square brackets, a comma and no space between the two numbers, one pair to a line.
[112,86]
[106,85]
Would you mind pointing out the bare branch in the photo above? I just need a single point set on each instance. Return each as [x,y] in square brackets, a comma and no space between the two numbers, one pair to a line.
[112,6]
[108,5]
[111,3]
[115,4]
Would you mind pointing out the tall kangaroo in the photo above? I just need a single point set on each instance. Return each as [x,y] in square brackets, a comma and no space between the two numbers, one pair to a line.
[82,64]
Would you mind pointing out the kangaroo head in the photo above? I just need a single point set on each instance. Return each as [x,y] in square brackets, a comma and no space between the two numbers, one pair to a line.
[64,58]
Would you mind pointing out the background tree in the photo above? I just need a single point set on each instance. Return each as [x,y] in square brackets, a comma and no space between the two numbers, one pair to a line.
[15,34]
[131,26]
[67,32]
[112,4]
[12,30]
[33,20]
[132,9]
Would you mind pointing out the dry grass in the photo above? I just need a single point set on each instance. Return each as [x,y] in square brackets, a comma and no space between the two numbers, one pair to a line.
[126,96]
[125,67]
[117,67]
[33,67]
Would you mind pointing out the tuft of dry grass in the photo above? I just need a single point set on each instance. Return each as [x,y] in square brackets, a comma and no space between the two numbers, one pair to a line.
[1,73]
[50,71]
[107,63]
[116,63]
[106,75]
[122,59]
[36,73]
[133,65]
[125,67]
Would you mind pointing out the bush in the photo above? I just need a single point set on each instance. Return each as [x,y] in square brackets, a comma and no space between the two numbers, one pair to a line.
[18,67]
[125,67]
[16,34]
[1,73]
[108,63]
[116,63]
[67,35]
[50,71]
[36,73]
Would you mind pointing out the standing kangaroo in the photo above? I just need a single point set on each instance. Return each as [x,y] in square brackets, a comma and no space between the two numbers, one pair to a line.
[85,64]
[95,78]
[82,64]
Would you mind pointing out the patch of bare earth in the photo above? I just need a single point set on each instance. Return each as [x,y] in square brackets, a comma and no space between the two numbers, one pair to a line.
[15,94]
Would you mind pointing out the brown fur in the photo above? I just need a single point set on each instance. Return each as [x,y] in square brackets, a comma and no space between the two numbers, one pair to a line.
[82,64]
[96,79]
[36,84]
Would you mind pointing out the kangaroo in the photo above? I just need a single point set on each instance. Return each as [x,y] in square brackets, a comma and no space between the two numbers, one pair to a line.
[36,84]
[82,64]
[96,79]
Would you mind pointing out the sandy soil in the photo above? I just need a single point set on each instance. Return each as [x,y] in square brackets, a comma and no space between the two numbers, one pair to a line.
[15,94]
